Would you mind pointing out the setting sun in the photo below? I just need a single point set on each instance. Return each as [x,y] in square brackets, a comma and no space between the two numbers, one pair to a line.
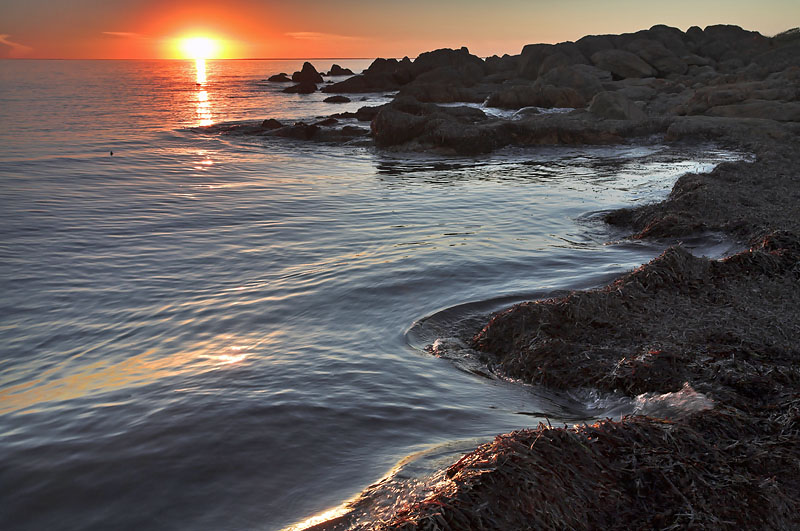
[199,47]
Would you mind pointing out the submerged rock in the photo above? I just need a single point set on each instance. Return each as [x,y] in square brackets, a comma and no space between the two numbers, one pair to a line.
[337,99]
[270,124]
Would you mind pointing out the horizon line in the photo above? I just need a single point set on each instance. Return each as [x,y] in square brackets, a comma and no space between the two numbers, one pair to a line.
[187,59]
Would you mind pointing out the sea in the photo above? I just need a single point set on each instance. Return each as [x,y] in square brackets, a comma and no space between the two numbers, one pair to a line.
[201,330]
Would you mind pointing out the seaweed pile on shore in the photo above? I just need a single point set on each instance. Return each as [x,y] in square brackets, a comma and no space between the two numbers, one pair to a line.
[729,328]
[718,470]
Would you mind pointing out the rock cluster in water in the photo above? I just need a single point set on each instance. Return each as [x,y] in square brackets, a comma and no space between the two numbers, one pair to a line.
[608,87]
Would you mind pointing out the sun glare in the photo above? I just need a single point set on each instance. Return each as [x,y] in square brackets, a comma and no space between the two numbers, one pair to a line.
[199,48]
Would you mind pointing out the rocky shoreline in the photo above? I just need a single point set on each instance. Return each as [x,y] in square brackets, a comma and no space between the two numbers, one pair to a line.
[726,328]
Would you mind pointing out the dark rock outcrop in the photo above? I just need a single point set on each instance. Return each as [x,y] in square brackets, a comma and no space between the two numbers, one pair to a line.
[337,70]
[305,87]
[280,78]
[615,106]
[308,74]
[270,124]
[298,131]
[337,99]
[622,64]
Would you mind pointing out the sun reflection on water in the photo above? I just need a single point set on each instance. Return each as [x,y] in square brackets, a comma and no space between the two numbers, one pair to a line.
[204,115]
[200,67]
[203,108]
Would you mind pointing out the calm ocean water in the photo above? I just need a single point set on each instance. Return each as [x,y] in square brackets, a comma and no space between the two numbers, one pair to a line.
[210,332]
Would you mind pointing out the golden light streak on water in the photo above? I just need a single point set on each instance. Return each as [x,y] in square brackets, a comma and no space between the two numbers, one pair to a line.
[60,384]
[203,108]
[200,67]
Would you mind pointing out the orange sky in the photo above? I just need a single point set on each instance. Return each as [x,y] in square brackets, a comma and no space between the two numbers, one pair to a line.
[143,29]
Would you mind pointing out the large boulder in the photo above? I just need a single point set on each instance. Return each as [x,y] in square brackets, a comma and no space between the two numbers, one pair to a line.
[615,106]
[406,120]
[447,57]
[308,74]
[271,124]
[497,65]
[337,99]
[382,75]
[771,110]
[298,131]
[780,58]
[591,44]
[724,42]
[279,78]
[440,93]
[622,64]
[658,56]
[392,127]
[337,70]
[584,79]
[537,94]
[304,87]
[671,38]
[538,59]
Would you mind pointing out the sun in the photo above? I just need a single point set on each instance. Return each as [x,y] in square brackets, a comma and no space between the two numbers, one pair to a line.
[199,47]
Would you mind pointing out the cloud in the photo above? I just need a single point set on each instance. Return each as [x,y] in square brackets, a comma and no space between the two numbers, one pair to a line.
[315,36]
[124,34]
[14,49]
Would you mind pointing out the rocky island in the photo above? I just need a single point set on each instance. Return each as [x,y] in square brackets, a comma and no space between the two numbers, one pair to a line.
[724,329]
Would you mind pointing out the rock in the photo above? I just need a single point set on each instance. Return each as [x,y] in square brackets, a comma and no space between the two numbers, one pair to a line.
[779,59]
[725,42]
[514,97]
[337,70]
[525,112]
[440,93]
[695,60]
[367,114]
[280,78]
[392,127]
[655,54]
[538,94]
[581,78]
[671,38]
[299,131]
[327,122]
[304,87]
[460,60]
[506,63]
[591,44]
[622,64]
[771,110]
[615,106]
[537,59]
[271,123]
[337,99]
[308,74]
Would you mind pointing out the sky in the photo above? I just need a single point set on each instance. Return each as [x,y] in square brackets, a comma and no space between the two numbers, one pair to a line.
[152,29]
